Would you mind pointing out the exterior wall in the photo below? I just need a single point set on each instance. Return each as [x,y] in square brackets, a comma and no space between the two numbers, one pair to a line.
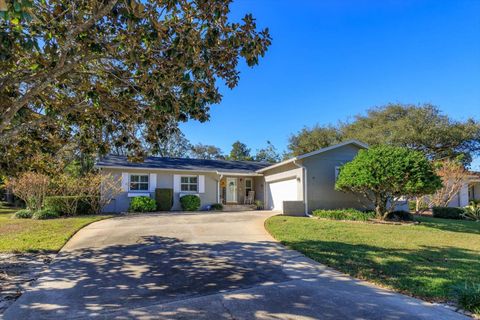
[259,185]
[321,180]
[284,172]
[164,180]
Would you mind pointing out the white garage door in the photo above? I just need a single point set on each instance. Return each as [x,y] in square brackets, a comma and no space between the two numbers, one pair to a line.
[280,191]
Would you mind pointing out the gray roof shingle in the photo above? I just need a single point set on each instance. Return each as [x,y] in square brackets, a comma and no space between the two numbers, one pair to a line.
[183,164]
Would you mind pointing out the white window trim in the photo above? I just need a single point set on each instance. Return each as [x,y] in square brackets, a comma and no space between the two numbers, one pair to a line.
[251,183]
[189,176]
[130,182]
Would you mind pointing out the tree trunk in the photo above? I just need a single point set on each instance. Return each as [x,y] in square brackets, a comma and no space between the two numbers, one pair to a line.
[380,207]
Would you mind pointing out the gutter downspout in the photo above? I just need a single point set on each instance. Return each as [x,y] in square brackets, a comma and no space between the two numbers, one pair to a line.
[305,186]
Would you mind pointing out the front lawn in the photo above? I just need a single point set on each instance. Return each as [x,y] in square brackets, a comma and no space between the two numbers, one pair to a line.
[423,260]
[27,235]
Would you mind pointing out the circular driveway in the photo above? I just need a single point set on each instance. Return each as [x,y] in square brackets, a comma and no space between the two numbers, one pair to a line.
[201,266]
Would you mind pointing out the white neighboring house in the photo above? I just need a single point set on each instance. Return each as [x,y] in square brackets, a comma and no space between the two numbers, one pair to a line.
[469,192]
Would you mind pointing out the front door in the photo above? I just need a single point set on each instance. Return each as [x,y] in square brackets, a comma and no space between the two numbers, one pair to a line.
[231,190]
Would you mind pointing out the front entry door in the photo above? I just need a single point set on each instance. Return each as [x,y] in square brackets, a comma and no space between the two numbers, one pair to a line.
[231,190]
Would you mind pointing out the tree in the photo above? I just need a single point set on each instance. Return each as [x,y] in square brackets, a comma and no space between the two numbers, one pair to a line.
[109,73]
[32,188]
[240,152]
[453,175]
[268,154]
[175,145]
[419,127]
[383,174]
[205,151]
[308,140]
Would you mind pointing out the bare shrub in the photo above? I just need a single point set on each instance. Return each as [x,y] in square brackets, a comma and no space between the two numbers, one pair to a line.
[32,188]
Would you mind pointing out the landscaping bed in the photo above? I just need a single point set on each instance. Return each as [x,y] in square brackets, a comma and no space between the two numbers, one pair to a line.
[424,260]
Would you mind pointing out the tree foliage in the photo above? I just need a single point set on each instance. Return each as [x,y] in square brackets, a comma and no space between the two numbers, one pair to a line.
[419,127]
[205,151]
[240,152]
[106,73]
[383,174]
[268,154]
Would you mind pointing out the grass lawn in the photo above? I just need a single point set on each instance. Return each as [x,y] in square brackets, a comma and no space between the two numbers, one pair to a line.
[27,235]
[423,260]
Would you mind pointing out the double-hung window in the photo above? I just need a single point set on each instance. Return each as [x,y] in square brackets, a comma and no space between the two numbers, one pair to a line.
[139,182]
[248,186]
[189,183]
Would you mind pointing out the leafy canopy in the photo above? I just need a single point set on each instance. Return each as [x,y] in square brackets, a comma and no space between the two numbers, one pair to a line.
[114,73]
[240,152]
[424,128]
[383,174]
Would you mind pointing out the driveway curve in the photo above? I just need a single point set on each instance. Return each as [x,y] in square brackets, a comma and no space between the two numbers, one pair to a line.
[201,266]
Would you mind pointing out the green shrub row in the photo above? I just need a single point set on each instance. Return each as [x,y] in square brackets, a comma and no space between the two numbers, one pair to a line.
[190,202]
[344,214]
[447,212]
[38,215]
[216,207]
[69,205]
[142,204]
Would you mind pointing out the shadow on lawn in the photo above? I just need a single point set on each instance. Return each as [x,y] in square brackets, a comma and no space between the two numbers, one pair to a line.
[429,272]
[450,224]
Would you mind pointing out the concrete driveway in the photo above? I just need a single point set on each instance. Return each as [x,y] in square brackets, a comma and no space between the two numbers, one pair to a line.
[201,266]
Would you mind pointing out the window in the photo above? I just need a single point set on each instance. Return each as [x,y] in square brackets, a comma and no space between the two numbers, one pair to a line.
[248,186]
[189,183]
[139,182]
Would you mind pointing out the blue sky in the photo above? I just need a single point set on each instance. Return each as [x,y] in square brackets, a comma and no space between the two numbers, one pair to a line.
[332,59]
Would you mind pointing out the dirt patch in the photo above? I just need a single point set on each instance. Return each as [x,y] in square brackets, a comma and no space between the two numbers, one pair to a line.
[17,274]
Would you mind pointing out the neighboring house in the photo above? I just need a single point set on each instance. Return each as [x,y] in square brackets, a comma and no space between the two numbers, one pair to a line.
[298,185]
[469,192]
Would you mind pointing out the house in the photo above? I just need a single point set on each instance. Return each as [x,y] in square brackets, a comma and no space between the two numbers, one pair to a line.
[470,191]
[295,186]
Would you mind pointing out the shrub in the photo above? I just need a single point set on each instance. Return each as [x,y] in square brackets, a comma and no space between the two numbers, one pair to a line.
[32,188]
[447,212]
[45,214]
[164,198]
[400,216]
[142,204]
[259,204]
[216,207]
[468,296]
[69,205]
[23,214]
[190,202]
[344,214]
[471,212]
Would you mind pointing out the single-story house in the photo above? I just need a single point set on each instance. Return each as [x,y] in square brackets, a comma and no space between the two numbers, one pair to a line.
[470,191]
[298,185]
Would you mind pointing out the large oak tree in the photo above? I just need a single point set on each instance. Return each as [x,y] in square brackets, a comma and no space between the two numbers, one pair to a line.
[105,73]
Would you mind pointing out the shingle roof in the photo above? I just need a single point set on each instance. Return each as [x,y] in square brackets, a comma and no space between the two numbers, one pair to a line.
[183,164]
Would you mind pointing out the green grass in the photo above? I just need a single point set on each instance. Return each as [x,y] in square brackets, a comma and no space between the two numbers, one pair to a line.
[27,235]
[424,260]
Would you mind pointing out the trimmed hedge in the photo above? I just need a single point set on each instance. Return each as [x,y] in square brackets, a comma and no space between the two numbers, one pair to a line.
[400,216]
[64,204]
[344,214]
[23,214]
[216,207]
[164,198]
[447,212]
[190,202]
[142,204]
[45,214]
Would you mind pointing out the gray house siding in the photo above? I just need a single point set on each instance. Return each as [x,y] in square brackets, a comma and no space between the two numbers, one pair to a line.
[321,179]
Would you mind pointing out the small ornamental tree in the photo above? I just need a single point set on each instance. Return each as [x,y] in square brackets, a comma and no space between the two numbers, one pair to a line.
[383,174]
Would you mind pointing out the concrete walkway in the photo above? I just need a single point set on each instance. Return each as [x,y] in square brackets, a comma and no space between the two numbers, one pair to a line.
[201,266]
